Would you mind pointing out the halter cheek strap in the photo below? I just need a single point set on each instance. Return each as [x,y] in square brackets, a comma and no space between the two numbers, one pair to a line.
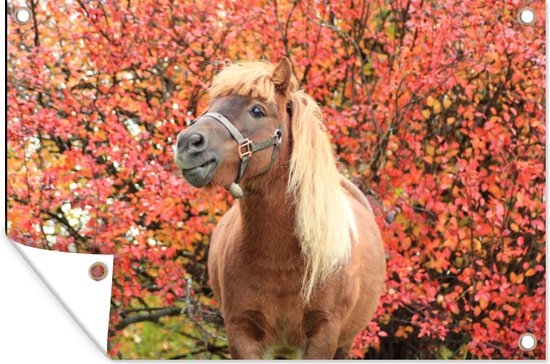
[246,148]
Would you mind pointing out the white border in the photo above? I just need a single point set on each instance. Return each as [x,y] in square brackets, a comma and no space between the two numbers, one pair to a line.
[34,327]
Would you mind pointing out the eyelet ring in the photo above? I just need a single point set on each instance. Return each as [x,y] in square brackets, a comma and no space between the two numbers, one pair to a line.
[22,15]
[527,342]
[527,16]
[98,271]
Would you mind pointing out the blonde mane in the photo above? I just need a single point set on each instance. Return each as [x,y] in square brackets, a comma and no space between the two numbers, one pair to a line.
[325,223]
[251,79]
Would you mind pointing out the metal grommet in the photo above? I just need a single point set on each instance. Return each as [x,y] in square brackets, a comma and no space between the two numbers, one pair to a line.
[527,342]
[22,15]
[98,271]
[526,16]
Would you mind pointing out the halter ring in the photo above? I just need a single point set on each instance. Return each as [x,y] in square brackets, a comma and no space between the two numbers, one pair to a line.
[279,136]
[245,149]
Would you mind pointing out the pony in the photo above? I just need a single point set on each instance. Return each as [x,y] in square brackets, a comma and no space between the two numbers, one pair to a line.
[297,264]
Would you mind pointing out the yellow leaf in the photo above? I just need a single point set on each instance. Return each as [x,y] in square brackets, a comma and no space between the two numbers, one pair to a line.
[477,98]
[477,245]
[430,101]
[450,121]
[447,103]
[437,107]
[517,279]
[426,113]
[514,227]
[430,150]
[530,272]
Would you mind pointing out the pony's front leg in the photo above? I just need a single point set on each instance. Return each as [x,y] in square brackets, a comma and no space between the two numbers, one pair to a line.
[246,336]
[242,347]
[322,337]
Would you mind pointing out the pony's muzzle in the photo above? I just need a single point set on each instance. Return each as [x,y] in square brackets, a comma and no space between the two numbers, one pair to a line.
[191,149]
[193,158]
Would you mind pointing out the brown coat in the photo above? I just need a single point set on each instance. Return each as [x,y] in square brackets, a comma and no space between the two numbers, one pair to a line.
[256,272]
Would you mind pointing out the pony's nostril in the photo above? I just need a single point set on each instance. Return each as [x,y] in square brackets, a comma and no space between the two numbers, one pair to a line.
[196,140]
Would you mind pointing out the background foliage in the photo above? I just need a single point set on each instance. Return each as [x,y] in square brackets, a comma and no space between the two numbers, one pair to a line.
[436,110]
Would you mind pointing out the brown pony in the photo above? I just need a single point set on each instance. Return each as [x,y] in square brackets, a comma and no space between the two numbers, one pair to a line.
[297,264]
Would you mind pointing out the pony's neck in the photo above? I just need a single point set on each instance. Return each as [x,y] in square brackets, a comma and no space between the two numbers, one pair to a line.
[268,220]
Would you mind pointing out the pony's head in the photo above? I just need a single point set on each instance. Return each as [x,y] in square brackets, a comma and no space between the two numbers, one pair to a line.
[240,136]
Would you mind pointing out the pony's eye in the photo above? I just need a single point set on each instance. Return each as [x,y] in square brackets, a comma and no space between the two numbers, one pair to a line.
[257,112]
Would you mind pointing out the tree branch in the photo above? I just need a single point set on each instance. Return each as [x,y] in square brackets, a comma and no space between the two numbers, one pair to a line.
[153,316]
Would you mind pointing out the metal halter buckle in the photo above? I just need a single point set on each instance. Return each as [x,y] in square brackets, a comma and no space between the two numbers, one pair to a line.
[245,149]
[279,135]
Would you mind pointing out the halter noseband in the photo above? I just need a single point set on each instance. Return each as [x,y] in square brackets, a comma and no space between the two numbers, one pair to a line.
[246,148]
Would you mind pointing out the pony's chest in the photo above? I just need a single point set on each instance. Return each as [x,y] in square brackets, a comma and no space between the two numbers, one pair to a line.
[276,285]
[269,266]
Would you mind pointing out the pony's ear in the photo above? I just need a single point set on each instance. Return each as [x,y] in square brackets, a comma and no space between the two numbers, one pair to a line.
[282,75]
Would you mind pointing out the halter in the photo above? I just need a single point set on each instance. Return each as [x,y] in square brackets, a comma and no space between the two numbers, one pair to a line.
[246,148]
